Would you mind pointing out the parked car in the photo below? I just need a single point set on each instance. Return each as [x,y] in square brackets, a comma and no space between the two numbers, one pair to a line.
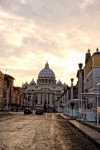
[28,111]
[39,109]
[51,109]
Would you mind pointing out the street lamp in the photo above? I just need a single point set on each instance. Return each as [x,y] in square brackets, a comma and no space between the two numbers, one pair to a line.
[72,105]
[97,105]
[71,97]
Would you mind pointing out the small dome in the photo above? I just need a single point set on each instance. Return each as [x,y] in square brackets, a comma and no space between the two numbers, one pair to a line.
[46,72]
[32,82]
[26,83]
[59,83]
[64,84]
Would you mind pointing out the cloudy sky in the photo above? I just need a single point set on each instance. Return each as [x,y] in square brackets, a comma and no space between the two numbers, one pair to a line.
[34,31]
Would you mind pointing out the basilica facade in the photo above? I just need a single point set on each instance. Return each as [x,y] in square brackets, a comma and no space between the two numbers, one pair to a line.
[45,91]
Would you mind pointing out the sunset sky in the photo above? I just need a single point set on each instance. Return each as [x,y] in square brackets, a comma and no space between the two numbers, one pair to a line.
[58,31]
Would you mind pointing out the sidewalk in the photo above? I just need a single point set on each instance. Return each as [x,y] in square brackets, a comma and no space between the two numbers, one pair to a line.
[8,113]
[89,132]
[90,124]
[4,112]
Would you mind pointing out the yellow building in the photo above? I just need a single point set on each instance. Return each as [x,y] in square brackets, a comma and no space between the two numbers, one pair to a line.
[94,61]
[92,75]
[1,88]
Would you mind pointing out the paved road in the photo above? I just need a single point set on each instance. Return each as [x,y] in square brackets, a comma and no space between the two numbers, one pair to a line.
[40,132]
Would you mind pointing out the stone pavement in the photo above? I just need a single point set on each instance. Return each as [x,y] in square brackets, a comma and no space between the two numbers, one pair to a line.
[7,113]
[4,112]
[93,134]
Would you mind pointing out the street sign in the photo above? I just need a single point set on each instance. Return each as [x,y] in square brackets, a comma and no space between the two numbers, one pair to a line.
[80,110]
[98,109]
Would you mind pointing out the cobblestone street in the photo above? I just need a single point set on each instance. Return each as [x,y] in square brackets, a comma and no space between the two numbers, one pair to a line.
[41,132]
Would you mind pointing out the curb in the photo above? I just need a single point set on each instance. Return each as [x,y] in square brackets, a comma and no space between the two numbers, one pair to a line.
[86,124]
[93,140]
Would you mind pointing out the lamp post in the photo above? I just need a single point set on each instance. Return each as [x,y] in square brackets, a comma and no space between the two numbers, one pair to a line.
[72,105]
[71,97]
[81,106]
[80,80]
[97,105]
[80,88]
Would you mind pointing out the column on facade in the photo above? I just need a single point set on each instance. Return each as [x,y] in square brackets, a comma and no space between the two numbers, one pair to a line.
[50,99]
[47,98]
[64,97]
[33,99]
[54,98]
[34,102]
[67,95]
[18,98]
[29,100]
[25,99]
[42,98]
[21,101]
[14,97]
[7,97]
[39,99]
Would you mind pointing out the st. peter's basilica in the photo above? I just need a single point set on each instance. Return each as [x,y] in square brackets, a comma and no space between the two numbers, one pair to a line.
[45,91]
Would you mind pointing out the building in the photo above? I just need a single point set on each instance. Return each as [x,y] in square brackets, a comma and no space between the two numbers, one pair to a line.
[92,77]
[8,90]
[46,91]
[1,89]
[17,97]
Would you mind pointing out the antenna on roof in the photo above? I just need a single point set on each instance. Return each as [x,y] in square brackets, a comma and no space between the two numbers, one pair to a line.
[6,71]
[88,46]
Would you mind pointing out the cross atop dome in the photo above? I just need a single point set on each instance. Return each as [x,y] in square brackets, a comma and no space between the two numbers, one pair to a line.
[97,49]
[46,65]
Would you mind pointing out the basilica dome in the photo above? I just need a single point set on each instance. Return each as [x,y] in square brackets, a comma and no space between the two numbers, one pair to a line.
[46,72]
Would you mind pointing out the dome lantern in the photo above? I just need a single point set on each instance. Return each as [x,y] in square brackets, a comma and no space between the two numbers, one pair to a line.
[47,65]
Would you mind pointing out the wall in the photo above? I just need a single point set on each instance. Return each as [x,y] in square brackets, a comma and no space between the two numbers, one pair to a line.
[1,88]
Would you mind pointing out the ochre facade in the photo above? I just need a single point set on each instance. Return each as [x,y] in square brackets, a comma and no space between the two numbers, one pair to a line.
[1,88]
[93,62]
